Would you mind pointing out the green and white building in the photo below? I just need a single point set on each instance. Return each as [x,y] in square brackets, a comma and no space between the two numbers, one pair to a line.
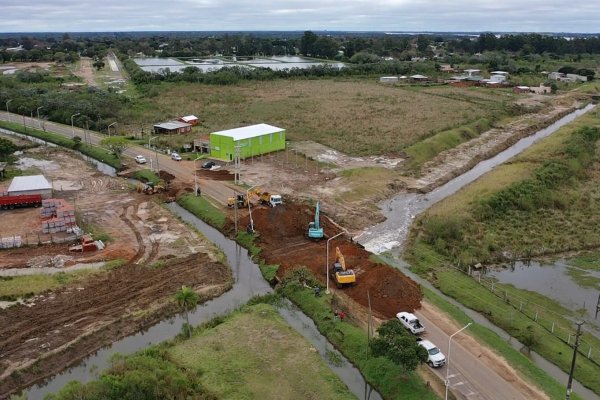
[252,140]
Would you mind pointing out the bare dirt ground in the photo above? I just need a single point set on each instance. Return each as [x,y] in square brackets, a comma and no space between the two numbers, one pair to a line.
[282,238]
[85,71]
[53,330]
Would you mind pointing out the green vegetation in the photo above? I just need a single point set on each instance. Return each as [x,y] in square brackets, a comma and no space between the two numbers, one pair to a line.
[92,151]
[203,209]
[515,358]
[581,268]
[269,271]
[116,145]
[425,150]
[14,287]
[254,354]
[114,264]
[395,343]
[391,380]
[230,357]
[146,175]
[187,299]
[149,374]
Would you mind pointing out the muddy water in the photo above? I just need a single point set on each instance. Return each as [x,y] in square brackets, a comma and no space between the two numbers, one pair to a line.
[248,282]
[402,209]
[553,281]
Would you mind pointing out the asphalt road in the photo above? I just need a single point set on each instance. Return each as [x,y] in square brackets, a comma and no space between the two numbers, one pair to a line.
[469,377]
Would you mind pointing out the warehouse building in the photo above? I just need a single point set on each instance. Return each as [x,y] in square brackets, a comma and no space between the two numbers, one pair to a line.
[251,141]
[172,128]
[34,184]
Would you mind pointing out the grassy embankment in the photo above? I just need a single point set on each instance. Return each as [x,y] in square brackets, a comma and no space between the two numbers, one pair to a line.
[203,209]
[146,175]
[95,152]
[15,287]
[251,353]
[544,201]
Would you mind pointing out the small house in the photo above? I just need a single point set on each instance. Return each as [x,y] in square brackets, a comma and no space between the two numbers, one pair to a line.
[419,78]
[540,89]
[172,128]
[189,119]
[447,68]
[472,72]
[202,144]
[521,89]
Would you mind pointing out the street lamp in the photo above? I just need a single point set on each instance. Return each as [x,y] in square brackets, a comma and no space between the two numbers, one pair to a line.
[249,208]
[7,102]
[448,363]
[327,260]
[116,131]
[156,153]
[72,126]
[38,115]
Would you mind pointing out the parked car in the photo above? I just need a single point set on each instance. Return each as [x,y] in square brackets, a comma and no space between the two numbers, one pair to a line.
[436,358]
[175,156]
[140,159]
[411,322]
[208,164]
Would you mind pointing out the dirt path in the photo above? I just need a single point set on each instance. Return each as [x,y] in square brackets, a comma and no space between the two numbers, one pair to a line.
[85,71]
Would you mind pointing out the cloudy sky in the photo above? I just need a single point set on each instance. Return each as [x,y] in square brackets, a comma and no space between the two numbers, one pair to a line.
[354,15]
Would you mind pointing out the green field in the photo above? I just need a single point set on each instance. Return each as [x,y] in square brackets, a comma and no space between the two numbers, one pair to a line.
[12,288]
[357,117]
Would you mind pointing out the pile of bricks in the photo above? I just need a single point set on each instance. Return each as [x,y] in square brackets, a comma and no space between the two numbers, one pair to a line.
[57,216]
[10,242]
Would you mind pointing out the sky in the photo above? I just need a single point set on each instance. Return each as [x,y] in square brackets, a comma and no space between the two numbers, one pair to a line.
[290,15]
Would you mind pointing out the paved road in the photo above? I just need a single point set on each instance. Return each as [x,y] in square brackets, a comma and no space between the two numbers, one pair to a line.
[182,170]
[469,379]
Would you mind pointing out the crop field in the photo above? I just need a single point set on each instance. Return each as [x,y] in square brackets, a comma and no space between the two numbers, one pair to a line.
[353,116]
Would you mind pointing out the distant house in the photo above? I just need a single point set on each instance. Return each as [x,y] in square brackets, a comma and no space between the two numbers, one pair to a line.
[202,144]
[472,72]
[556,76]
[33,184]
[419,78]
[577,78]
[172,128]
[540,89]
[447,68]
[189,119]
[503,73]
[388,79]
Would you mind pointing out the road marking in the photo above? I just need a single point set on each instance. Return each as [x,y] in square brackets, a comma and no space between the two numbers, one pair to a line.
[458,383]
[452,376]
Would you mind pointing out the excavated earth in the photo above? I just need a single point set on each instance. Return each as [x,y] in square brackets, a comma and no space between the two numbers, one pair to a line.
[62,327]
[282,237]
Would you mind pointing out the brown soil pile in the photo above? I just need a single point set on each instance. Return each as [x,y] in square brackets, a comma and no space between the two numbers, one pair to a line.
[215,175]
[282,236]
[105,307]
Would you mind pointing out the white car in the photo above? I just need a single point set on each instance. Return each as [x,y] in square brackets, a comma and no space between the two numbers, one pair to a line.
[140,159]
[411,322]
[175,156]
[435,358]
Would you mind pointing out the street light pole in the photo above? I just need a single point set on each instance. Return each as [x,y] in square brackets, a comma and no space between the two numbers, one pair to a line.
[249,208]
[448,363]
[38,115]
[72,126]
[156,153]
[7,102]
[116,131]
[327,260]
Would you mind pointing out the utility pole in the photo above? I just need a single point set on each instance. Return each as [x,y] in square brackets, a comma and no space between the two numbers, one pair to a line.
[235,211]
[597,307]
[237,164]
[575,347]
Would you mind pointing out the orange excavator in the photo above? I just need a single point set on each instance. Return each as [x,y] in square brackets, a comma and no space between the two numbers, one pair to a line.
[339,273]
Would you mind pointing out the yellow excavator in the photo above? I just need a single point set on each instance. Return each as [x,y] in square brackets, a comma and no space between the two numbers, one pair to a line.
[242,199]
[150,188]
[339,273]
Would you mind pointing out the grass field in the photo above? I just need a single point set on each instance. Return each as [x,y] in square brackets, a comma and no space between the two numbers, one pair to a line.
[358,117]
[15,287]
[254,354]
[203,209]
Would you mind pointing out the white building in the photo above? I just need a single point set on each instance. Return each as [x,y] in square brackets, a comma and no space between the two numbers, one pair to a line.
[34,184]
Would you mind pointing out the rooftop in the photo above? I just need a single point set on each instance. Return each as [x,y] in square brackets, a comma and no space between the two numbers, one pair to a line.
[32,182]
[189,118]
[172,125]
[248,132]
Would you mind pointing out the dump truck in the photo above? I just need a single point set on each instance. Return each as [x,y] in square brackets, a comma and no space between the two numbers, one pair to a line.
[272,200]
[26,200]
[339,273]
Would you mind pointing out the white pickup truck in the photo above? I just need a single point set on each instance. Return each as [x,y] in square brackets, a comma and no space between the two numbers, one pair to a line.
[411,322]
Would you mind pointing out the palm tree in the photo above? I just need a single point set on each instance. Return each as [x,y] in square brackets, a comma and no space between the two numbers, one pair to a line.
[187,299]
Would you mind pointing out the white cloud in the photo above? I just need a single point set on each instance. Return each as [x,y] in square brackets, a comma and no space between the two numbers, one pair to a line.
[355,15]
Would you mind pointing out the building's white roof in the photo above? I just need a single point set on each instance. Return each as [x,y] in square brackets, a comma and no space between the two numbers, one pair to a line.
[189,118]
[523,87]
[25,183]
[418,76]
[472,70]
[499,73]
[172,125]
[247,132]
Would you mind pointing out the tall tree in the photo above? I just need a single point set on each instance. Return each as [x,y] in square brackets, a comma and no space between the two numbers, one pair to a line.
[307,43]
[115,144]
[187,300]
[395,343]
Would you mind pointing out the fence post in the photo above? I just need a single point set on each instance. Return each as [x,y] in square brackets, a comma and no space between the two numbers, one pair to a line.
[479,276]
[492,286]
[590,352]
[569,339]
[469,270]
[505,295]
[536,316]
[552,330]
[521,306]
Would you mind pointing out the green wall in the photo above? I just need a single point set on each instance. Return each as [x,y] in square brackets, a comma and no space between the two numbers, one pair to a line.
[223,147]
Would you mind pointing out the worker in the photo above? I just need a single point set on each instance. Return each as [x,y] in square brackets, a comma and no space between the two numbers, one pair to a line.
[198,191]
[317,291]
[341,314]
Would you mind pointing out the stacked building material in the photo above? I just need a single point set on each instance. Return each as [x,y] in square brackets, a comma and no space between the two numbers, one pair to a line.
[57,216]
[10,242]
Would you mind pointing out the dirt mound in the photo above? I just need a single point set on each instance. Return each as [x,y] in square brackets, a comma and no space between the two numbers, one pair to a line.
[215,175]
[165,176]
[282,235]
